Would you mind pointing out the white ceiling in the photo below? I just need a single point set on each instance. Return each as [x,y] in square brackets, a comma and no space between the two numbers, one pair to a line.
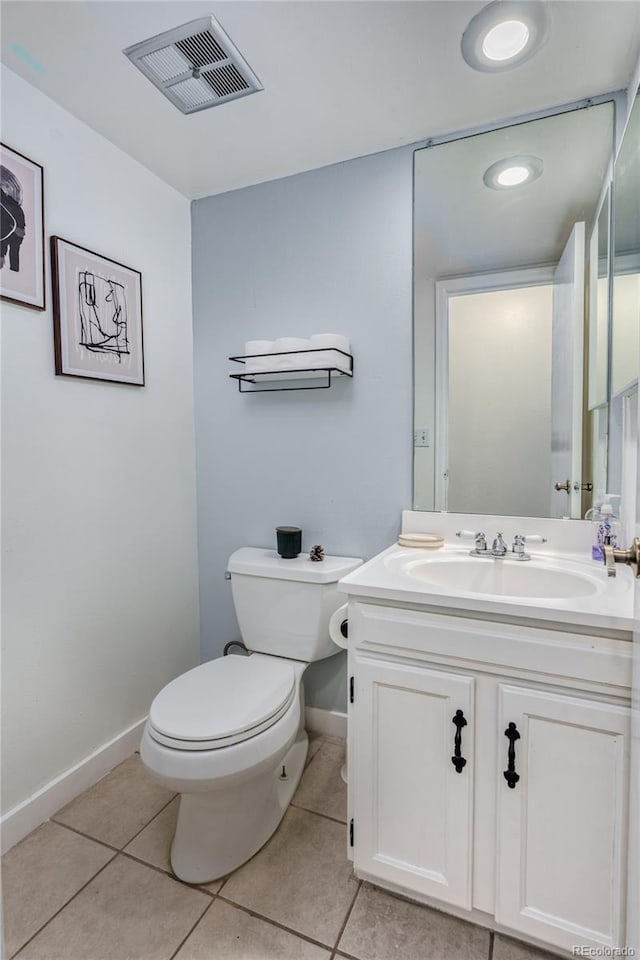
[341,79]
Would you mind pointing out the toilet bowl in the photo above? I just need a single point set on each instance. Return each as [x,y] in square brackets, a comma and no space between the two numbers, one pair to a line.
[229,735]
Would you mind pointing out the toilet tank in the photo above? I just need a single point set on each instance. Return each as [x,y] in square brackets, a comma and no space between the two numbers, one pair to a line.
[284,606]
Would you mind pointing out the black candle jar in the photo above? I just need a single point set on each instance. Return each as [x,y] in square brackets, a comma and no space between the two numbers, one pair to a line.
[289,542]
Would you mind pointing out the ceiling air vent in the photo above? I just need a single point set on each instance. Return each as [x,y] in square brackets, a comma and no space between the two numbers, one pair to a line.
[196,66]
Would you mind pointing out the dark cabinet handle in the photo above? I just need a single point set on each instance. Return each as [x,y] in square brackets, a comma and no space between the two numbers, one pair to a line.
[457,759]
[510,775]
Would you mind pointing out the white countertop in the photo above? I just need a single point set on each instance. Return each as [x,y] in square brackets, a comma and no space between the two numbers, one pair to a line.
[609,608]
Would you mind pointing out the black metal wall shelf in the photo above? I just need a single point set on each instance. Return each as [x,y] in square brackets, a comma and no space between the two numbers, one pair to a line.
[322,372]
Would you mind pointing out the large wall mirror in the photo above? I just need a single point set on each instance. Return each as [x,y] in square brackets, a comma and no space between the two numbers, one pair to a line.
[625,326]
[511,306]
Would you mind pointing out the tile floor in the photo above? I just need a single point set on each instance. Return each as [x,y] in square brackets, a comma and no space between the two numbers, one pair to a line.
[94,884]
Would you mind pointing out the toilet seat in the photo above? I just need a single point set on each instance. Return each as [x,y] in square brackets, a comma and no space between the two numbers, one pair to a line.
[222,702]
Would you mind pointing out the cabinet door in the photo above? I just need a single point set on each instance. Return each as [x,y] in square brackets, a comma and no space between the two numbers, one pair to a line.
[412,809]
[562,827]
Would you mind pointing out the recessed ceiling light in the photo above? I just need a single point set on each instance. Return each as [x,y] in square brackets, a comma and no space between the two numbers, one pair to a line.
[513,172]
[506,33]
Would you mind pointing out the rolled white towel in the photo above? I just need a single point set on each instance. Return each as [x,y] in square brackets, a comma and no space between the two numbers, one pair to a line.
[330,357]
[259,363]
[288,360]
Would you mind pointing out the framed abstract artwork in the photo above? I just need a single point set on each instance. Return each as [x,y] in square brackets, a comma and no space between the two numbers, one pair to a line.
[21,229]
[97,315]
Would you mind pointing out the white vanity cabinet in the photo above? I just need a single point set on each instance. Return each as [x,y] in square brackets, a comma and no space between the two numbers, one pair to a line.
[561,842]
[530,831]
[415,812]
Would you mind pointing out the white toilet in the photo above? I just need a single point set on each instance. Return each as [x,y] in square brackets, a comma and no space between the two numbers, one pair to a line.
[229,735]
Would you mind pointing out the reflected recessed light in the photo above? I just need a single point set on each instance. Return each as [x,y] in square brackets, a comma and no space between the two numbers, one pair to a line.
[512,176]
[505,40]
[506,33]
[513,172]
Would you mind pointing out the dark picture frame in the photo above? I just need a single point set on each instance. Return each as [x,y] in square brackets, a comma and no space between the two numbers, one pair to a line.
[97,315]
[22,269]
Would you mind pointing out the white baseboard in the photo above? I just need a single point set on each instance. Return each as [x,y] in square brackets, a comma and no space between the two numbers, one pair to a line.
[330,722]
[26,816]
[18,822]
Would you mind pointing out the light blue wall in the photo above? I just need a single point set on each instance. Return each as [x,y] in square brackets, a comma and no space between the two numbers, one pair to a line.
[324,251]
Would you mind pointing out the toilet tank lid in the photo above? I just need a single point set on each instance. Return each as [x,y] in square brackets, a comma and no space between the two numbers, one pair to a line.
[256,562]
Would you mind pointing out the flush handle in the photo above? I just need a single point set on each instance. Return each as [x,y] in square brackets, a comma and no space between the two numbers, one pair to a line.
[510,775]
[457,759]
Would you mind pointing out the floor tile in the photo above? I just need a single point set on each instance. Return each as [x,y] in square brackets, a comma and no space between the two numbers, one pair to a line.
[301,878]
[153,844]
[118,806]
[506,949]
[228,933]
[41,874]
[384,927]
[129,912]
[315,742]
[322,789]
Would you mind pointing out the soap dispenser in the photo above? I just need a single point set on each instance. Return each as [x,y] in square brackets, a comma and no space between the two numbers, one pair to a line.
[607,527]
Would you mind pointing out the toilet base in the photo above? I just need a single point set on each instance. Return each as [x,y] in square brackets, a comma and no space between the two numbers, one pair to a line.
[220,830]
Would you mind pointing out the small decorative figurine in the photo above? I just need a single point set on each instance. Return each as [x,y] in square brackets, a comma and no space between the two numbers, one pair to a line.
[317,553]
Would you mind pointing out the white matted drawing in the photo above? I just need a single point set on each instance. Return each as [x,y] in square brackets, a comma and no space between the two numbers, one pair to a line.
[97,313]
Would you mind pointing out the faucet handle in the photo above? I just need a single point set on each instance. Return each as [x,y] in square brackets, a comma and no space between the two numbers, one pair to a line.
[480,541]
[519,541]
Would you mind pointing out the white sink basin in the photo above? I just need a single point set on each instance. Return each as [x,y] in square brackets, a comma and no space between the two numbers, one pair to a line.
[560,587]
[530,579]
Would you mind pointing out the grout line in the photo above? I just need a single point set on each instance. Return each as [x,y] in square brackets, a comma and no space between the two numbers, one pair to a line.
[65,905]
[274,923]
[224,880]
[104,843]
[86,836]
[132,856]
[184,939]
[149,822]
[164,873]
[343,823]
[492,939]
[346,919]
[339,954]
[323,816]
[310,760]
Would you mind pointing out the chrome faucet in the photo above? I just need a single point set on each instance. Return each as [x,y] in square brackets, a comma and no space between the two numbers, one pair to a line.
[481,548]
[499,547]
